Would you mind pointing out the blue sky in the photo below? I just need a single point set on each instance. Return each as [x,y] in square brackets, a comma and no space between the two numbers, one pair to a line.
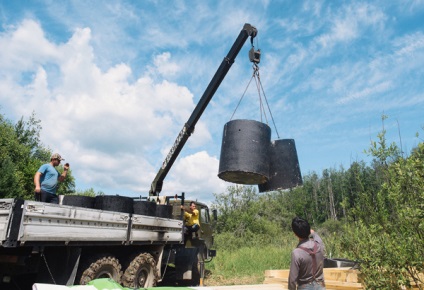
[113,82]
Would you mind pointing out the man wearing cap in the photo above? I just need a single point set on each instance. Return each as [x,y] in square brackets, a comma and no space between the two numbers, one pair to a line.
[46,179]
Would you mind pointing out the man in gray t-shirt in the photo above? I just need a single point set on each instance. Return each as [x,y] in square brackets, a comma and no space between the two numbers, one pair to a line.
[307,259]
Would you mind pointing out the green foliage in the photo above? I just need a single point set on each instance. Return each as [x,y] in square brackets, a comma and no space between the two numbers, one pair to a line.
[89,192]
[369,213]
[383,153]
[388,233]
[9,179]
[28,132]
[251,256]
[14,156]
[242,211]
[21,154]
[331,231]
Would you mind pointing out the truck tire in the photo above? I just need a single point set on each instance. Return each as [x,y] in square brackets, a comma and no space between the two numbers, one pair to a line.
[141,273]
[144,207]
[106,267]
[114,203]
[164,211]
[79,200]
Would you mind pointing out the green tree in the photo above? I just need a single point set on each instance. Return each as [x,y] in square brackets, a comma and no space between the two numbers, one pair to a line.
[246,215]
[388,232]
[21,154]
[12,155]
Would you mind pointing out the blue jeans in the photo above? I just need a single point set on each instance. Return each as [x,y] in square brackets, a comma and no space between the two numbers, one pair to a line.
[314,285]
[191,229]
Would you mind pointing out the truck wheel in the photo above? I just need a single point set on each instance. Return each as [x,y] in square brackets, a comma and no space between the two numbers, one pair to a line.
[106,267]
[141,273]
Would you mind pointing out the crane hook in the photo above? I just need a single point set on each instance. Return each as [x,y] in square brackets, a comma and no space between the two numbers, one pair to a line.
[255,55]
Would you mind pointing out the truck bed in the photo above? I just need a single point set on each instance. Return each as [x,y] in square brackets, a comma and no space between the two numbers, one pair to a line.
[31,222]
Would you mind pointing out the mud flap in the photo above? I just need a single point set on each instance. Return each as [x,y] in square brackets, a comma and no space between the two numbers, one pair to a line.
[76,254]
[184,261]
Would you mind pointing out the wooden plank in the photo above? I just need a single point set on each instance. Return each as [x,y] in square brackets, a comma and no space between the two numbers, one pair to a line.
[277,273]
[333,274]
[335,278]
[342,285]
[329,285]
[341,274]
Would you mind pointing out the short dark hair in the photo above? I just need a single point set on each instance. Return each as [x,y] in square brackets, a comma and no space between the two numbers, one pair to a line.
[301,227]
[192,202]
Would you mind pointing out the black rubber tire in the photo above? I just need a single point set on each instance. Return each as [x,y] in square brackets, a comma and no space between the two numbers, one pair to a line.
[141,273]
[114,203]
[106,267]
[164,211]
[145,208]
[79,200]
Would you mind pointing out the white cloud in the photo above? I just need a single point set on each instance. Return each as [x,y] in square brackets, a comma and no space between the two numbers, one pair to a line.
[349,24]
[109,129]
[24,47]
[164,66]
[411,6]
[114,83]
[409,45]
[365,93]
[197,174]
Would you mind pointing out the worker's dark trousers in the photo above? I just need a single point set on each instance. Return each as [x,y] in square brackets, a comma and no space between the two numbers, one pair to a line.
[46,197]
[191,229]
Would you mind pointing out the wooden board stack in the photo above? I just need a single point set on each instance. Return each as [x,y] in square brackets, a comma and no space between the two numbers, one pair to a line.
[335,278]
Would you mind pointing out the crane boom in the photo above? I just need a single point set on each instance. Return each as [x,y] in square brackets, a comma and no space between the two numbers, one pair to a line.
[187,130]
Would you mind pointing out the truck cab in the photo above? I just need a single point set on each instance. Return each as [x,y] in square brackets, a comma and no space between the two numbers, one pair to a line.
[205,233]
[185,265]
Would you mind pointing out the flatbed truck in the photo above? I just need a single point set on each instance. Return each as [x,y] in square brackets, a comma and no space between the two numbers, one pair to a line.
[70,244]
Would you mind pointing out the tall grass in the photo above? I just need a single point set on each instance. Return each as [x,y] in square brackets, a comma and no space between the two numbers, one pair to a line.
[244,260]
